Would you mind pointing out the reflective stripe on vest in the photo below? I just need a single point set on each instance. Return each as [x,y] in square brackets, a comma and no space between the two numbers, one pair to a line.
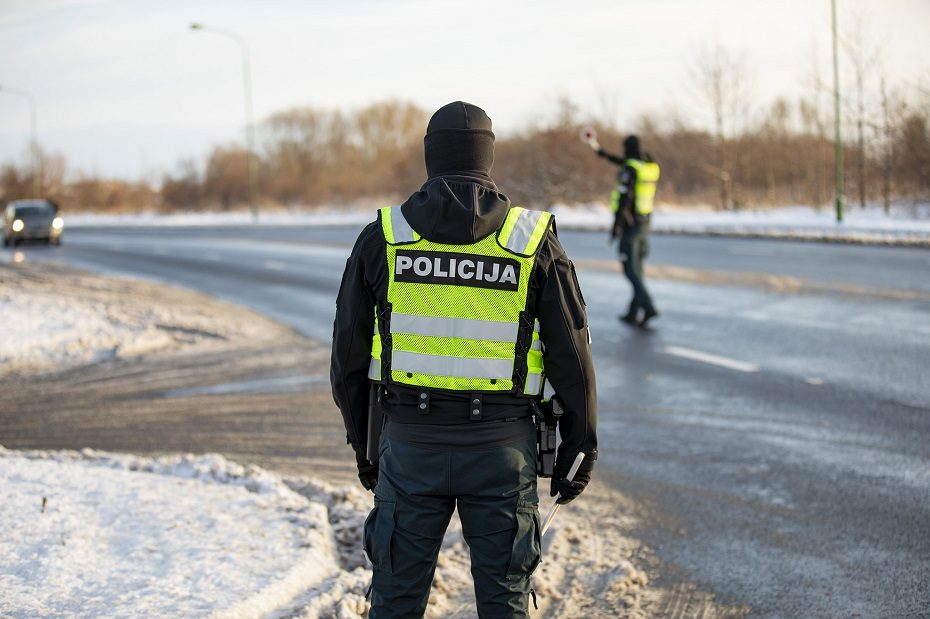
[534,364]
[647,174]
[548,391]
[374,367]
[436,326]
[614,200]
[532,383]
[395,226]
[456,310]
[457,367]
[523,230]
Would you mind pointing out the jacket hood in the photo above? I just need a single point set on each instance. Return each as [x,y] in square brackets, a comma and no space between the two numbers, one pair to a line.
[458,210]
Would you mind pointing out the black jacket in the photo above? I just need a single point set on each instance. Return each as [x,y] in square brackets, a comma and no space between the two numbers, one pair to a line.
[463,210]
[626,185]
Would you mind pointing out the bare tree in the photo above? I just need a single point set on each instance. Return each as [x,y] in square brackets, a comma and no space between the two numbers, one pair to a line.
[815,123]
[720,79]
[182,189]
[227,176]
[892,110]
[863,54]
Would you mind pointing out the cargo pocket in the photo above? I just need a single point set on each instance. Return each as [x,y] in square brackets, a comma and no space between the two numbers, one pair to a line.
[379,530]
[527,544]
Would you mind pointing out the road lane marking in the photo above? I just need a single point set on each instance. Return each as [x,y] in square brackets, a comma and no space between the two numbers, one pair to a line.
[703,357]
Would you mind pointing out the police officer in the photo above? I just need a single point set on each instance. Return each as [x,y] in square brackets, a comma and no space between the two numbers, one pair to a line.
[456,311]
[631,203]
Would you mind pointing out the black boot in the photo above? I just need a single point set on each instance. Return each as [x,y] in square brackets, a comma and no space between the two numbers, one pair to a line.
[632,316]
[649,315]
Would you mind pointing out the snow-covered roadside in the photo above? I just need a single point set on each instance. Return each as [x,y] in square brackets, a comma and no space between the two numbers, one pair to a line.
[860,226]
[107,535]
[296,217]
[103,535]
[112,535]
[53,317]
[869,226]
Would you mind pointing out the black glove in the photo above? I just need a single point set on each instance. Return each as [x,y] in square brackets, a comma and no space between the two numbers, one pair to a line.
[569,490]
[367,472]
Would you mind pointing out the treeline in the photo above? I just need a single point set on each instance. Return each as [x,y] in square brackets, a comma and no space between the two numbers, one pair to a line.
[312,157]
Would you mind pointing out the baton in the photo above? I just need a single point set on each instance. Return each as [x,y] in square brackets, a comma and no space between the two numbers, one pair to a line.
[555,506]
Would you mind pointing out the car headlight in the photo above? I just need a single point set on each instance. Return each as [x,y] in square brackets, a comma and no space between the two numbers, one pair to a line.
[58,223]
[18,225]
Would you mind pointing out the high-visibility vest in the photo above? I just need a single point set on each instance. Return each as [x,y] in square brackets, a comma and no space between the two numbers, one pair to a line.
[644,191]
[455,317]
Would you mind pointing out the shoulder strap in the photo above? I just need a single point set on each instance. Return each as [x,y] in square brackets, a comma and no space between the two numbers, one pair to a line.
[395,227]
[523,230]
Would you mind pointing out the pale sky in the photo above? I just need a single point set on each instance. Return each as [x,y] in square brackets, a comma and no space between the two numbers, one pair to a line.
[124,88]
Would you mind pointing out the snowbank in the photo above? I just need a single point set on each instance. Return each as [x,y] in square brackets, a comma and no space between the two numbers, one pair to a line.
[801,223]
[235,218]
[860,226]
[107,535]
[104,535]
[55,317]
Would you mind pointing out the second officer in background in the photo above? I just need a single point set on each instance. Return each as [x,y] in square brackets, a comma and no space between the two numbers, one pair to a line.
[631,203]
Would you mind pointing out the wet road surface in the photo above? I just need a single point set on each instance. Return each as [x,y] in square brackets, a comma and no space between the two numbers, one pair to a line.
[779,443]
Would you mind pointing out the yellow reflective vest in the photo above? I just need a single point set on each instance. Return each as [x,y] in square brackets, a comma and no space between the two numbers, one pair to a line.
[644,191]
[456,316]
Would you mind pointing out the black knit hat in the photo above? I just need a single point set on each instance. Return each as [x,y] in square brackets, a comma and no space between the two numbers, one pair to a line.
[631,147]
[459,141]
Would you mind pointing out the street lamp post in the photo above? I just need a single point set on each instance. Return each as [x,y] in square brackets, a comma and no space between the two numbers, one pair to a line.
[838,138]
[36,158]
[249,123]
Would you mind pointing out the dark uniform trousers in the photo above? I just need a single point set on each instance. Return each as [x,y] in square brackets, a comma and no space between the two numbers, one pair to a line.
[494,490]
[634,247]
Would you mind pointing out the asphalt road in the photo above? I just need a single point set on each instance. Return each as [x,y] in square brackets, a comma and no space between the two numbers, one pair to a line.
[779,443]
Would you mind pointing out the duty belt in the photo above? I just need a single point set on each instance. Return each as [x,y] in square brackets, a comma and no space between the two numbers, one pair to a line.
[432,408]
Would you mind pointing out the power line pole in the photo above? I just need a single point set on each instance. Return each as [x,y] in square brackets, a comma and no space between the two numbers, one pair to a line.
[837,140]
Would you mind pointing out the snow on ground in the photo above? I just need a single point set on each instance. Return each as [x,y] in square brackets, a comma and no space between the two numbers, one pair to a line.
[93,534]
[55,317]
[323,217]
[806,223]
[101,535]
[871,225]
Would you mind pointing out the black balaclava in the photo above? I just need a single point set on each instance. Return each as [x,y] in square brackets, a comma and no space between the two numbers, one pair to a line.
[459,142]
[631,147]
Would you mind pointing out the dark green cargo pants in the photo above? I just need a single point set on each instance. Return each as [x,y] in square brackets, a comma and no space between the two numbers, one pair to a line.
[495,492]
[634,247]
